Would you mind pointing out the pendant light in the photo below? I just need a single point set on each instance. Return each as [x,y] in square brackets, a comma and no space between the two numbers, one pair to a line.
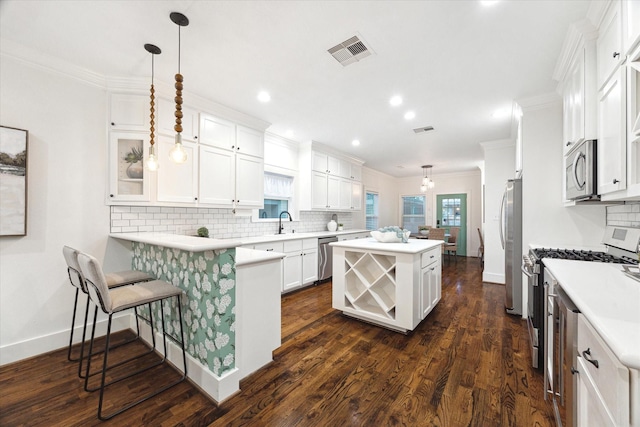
[152,161]
[427,183]
[177,153]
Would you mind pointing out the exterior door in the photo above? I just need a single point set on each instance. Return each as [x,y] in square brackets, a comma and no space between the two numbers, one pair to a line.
[452,212]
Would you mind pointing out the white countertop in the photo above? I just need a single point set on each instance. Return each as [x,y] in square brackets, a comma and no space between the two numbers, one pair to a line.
[246,256]
[608,298]
[198,244]
[414,246]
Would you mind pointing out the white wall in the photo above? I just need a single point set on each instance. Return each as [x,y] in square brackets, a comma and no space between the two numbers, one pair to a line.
[499,166]
[385,186]
[66,186]
[469,183]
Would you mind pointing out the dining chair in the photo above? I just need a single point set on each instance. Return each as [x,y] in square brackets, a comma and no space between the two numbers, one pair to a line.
[115,300]
[114,280]
[452,243]
[437,234]
[481,248]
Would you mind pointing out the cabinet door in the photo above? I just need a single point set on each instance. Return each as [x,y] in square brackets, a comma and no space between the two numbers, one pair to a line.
[177,182]
[130,112]
[333,192]
[217,132]
[356,196]
[631,22]
[249,141]
[310,265]
[333,166]
[128,181]
[591,409]
[425,289]
[610,54]
[356,172]
[577,102]
[319,190]
[249,181]
[611,135]
[292,271]
[435,283]
[345,169]
[166,120]
[319,162]
[345,194]
[217,176]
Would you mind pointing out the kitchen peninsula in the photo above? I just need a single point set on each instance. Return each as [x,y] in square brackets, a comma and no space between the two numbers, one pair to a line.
[394,285]
[228,334]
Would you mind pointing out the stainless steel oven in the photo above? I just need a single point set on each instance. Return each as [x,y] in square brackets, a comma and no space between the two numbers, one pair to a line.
[581,170]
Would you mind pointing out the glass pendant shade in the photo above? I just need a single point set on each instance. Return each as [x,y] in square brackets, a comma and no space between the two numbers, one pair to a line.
[152,161]
[427,183]
[177,153]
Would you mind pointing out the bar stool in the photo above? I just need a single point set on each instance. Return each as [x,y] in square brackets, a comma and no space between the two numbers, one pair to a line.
[115,300]
[119,278]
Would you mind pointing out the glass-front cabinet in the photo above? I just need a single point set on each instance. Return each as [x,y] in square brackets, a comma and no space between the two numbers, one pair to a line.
[129,181]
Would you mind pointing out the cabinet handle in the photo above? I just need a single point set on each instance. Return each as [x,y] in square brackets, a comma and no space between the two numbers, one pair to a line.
[568,143]
[195,137]
[233,147]
[269,249]
[432,256]
[616,54]
[238,148]
[615,181]
[113,124]
[574,371]
[586,354]
[110,195]
[195,198]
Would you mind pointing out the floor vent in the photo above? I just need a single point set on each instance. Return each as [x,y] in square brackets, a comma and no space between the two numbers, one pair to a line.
[350,51]
[423,129]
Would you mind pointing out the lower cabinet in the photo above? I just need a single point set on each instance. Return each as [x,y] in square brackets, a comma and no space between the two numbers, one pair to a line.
[430,282]
[300,264]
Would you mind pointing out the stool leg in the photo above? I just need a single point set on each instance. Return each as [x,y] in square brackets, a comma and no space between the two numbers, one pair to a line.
[73,322]
[84,332]
[93,334]
[184,353]
[104,369]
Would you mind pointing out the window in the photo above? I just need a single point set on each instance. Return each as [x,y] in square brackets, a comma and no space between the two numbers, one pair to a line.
[451,212]
[371,211]
[413,209]
[278,193]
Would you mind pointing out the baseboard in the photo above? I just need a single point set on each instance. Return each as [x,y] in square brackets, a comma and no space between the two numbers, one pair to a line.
[36,346]
[493,278]
[218,388]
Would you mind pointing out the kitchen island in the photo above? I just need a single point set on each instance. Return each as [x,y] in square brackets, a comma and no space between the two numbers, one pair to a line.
[394,285]
[231,311]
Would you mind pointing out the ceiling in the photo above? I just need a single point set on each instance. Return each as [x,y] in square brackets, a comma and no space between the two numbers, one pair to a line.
[453,62]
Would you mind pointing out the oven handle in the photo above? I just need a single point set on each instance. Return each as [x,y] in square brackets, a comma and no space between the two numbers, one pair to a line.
[502,206]
[580,156]
[524,266]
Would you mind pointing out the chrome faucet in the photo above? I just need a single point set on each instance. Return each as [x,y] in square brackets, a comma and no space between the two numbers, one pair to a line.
[280,226]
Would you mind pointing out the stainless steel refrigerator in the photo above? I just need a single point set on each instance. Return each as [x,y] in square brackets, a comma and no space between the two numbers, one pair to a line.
[511,239]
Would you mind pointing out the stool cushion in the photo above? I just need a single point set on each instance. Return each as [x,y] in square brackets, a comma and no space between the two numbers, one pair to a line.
[127,277]
[141,293]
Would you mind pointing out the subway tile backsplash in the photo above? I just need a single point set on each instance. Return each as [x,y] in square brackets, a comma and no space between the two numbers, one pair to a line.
[627,215]
[222,223]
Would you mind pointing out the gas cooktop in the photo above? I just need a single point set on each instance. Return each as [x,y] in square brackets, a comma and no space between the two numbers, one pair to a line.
[582,255]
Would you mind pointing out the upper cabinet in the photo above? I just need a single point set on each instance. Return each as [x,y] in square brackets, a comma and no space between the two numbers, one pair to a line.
[610,51]
[129,112]
[328,181]
[167,120]
[631,24]
[217,132]
[579,97]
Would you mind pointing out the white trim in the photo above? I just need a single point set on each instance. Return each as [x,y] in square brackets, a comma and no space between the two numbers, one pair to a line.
[493,278]
[36,346]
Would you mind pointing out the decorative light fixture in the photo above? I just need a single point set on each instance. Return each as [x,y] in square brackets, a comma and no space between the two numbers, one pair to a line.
[177,153]
[152,160]
[427,183]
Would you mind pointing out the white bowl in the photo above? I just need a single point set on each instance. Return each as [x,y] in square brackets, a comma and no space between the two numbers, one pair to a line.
[389,236]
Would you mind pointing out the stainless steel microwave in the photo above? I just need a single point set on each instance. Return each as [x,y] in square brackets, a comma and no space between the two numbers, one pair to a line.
[581,171]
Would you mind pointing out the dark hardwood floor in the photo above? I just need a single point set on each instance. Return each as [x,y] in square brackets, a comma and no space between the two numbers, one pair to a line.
[466,364]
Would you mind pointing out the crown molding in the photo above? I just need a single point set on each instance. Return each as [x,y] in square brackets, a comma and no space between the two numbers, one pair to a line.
[540,101]
[577,34]
[498,144]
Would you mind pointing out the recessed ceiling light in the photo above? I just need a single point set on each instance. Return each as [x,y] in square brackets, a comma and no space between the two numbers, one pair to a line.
[264,96]
[488,3]
[289,133]
[355,142]
[395,100]
[409,115]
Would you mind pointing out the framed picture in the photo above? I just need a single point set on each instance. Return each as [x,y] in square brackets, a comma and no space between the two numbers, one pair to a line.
[13,181]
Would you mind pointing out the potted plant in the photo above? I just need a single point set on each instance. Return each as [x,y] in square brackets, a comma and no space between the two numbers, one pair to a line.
[423,230]
[134,158]
[340,227]
[203,232]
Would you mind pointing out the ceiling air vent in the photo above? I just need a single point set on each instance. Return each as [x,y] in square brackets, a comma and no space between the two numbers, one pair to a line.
[350,51]
[423,129]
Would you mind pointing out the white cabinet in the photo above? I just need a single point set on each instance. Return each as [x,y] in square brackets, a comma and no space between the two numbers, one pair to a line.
[166,119]
[611,135]
[335,193]
[603,382]
[319,190]
[353,236]
[610,54]
[633,123]
[130,112]
[217,176]
[631,23]
[177,182]
[217,132]
[356,196]
[249,141]
[356,172]
[430,281]
[579,98]
[300,263]
[249,183]
[128,180]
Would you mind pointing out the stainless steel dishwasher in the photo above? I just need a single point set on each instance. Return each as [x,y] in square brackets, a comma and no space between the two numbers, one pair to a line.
[325,258]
